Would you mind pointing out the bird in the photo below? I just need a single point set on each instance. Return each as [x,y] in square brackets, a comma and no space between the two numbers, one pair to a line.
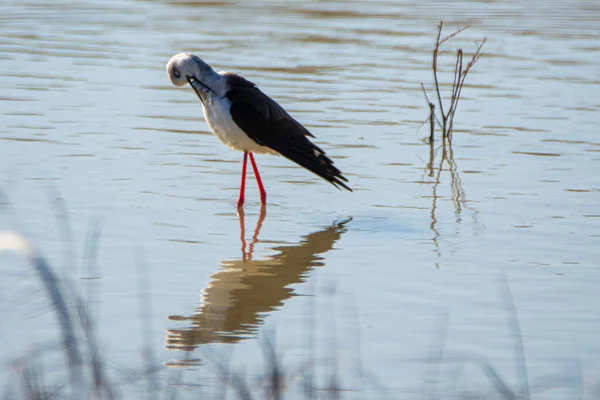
[244,118]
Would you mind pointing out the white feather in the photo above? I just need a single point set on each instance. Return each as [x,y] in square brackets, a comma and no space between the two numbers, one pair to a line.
[218,117]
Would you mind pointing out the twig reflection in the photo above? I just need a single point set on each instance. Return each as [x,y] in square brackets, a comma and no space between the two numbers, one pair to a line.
[242,293]
[459,198]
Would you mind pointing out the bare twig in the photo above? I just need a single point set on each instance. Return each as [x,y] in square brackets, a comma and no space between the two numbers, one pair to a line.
[460,74]
[458,30]
[432,117]
[460,77]
[434,67]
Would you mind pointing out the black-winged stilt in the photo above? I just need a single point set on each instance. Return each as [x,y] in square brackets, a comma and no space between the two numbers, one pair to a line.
[246,119]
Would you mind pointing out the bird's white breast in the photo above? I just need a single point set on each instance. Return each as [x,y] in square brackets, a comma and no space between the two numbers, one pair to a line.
[218,117]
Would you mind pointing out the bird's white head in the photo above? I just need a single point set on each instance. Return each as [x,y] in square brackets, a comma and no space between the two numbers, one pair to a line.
[185,68]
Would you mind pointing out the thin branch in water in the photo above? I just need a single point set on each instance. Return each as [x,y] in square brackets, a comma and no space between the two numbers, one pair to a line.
[459,30]
[430,104]
[432,117]
[434,68]
[460,74]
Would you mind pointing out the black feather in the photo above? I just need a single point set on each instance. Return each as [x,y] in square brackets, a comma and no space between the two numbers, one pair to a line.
[268,124]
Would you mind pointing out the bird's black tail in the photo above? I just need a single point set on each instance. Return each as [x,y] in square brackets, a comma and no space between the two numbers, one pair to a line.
[308,155]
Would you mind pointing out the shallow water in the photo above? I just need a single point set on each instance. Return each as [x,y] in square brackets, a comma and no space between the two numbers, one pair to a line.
[88,115]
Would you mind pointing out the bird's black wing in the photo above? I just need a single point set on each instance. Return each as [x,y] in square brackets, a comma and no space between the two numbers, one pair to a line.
[268,124]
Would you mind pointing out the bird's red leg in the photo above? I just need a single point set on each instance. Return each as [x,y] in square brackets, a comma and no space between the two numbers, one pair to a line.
[261,188]
[240,201]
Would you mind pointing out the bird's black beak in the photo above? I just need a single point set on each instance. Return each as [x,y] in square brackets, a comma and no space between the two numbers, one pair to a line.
[195,84]
[200,88]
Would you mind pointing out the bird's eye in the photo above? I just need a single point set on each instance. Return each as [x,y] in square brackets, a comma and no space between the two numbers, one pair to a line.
[176,73]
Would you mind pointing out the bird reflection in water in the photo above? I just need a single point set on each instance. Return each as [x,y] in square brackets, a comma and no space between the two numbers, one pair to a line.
[242,293]
[247,255]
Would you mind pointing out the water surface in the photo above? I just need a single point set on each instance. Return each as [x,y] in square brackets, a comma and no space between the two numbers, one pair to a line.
[88,113]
